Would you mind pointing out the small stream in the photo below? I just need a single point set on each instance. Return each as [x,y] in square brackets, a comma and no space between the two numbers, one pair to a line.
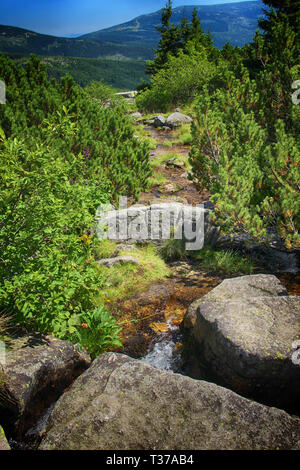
[165,352]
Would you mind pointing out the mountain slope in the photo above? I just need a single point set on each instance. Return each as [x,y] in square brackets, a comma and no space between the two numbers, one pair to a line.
[235,23]
[232,22]
[22,41]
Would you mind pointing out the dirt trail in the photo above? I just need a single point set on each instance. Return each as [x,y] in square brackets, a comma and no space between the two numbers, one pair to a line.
[163,306]
[177,184]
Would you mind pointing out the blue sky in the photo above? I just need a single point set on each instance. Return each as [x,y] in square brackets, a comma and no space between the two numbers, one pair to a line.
[67,17]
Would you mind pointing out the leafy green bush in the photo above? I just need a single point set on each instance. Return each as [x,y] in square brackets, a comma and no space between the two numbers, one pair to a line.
[179,82]
[97,331]
[61,156]
[100,92]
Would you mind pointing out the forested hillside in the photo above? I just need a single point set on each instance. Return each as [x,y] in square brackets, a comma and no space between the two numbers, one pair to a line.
[119,74]
[18,40]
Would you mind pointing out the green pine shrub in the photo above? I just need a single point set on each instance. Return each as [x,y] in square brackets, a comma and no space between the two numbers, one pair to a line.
[179,82]
[252,174]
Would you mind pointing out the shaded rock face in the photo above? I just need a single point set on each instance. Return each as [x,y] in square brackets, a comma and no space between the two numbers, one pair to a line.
[123,404]
[159,121]
[38,369]
[241,336]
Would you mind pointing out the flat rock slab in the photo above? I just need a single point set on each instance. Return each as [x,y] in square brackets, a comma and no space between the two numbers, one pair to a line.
[110,262]
[38,369]
[243,333]
[123,404]
[246,288]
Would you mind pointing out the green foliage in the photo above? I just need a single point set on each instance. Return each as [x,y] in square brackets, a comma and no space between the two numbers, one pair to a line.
[174,39]
[100,92]
[179,82]
[61,156]
[173,250]
[252,174]
[224,261]
[118,74]
[169,40]
[97,332]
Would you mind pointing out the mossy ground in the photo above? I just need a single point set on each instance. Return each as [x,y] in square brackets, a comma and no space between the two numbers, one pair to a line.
[123,281]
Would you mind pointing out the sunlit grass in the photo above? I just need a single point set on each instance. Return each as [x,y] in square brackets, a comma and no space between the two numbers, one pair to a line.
[124,280]
[157,179]
[167,143]
[163,158]
[182,135]
[104,249]
[224,261]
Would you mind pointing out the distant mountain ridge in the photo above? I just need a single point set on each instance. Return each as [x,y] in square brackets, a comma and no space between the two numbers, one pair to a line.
[15,40]
[233,22]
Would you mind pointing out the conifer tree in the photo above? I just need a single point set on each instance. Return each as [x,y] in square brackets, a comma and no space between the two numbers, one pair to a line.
[185,30]
[169,40]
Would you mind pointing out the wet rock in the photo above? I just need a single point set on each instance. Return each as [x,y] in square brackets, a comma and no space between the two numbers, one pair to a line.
[121,404]
[177,119]
[3,441]
[110,262]
[38,369]
[136,346]
[242,334]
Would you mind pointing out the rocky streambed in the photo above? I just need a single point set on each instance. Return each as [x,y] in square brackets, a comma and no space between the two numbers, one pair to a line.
[239,342]
[233,344]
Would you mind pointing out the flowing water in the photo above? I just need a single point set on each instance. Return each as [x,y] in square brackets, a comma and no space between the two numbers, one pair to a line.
[164,352]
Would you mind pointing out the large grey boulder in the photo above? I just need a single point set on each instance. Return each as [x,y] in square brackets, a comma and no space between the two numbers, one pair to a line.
[177,119]
[242,335]
[120,403]
[37,369]
[154,223]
